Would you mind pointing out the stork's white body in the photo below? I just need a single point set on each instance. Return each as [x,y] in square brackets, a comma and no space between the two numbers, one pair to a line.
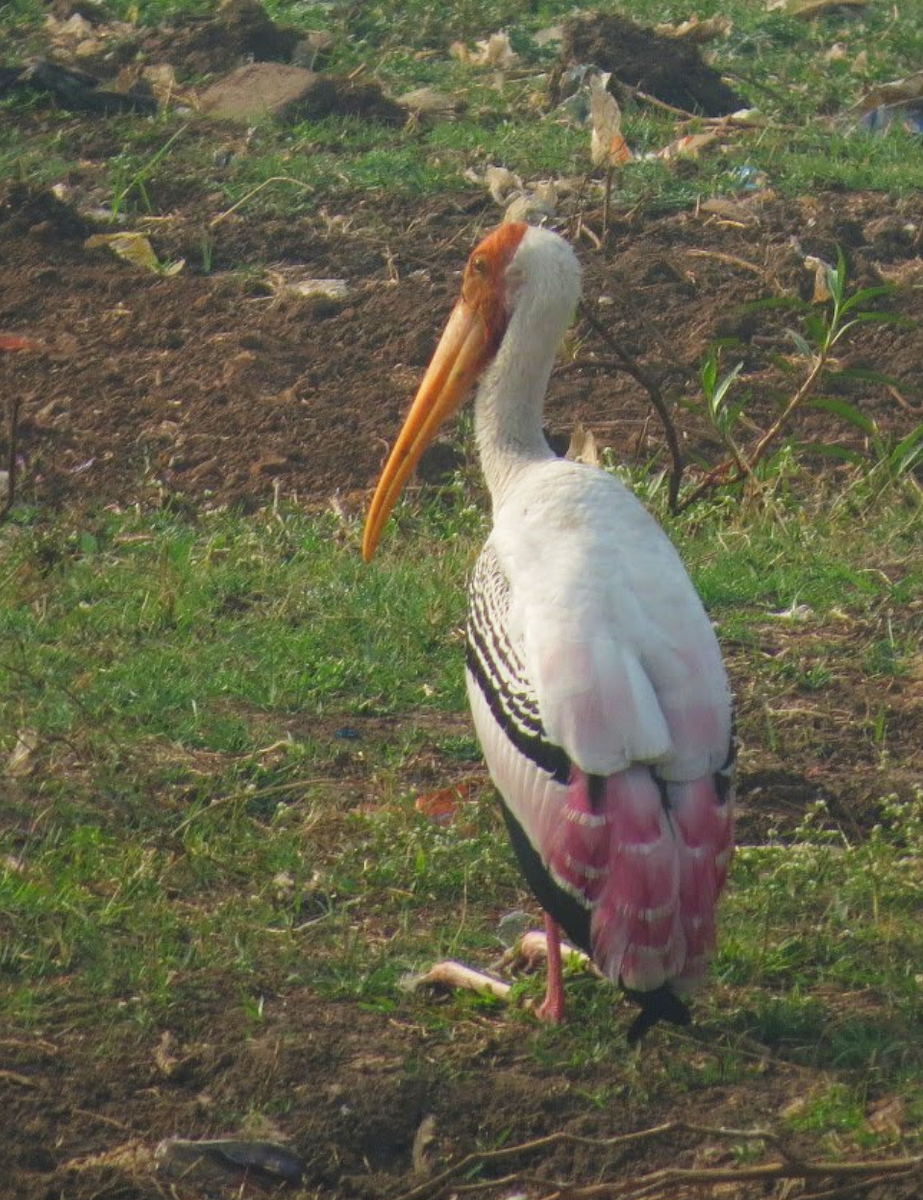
[609,636]
[595,678]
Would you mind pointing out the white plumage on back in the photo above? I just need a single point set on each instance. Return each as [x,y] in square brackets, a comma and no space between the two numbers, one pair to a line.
[619,650]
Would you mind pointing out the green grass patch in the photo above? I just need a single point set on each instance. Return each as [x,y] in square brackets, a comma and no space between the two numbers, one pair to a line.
[198,799]
[781,65]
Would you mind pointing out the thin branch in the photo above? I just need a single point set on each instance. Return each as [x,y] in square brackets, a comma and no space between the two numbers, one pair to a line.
[807,386]
[731,259]
[664,1180]
[647,381]
[481,1157]
[12,438]
[647,98]
[841,1191]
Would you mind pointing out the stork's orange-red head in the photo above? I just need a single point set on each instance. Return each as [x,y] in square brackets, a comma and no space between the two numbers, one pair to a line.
[470,340]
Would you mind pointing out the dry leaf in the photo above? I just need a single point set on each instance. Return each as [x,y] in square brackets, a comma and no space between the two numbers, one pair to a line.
[500,182]
[136,249]
[164,1058]
[887,1116]
[428,102]
[531,207]
[75,27]
[286,281]
[11,342]
[729,210]
[20,761]
[441,807]
[698,31]
[423,1145]
[821,290]
[688,146]
[607,145]
[583,447]
[809,9]
[162,79]
[494,51]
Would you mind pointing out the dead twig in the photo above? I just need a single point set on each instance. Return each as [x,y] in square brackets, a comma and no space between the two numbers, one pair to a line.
[480,1158]
[905,404]
[646,98]
[650,385]
[731,259]
[12,439]
[22,1080]
[663,1181]
[841,1191]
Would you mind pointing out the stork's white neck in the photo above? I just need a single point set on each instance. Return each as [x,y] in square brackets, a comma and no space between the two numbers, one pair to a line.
[508,418]
[543,286]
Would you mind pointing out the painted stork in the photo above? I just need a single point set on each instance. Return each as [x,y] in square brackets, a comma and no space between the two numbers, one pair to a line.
[595,679]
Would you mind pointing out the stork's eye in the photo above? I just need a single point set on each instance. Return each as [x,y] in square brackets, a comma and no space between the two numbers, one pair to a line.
[479,265]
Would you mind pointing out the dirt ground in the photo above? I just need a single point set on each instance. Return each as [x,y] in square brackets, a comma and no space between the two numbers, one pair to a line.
[214,389]
[208,389]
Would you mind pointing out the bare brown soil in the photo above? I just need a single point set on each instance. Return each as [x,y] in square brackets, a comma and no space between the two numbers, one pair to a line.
[209,389]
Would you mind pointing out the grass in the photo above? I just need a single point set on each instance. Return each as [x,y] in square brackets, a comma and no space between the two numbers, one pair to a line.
[195,796]
[211,778]
[779,63]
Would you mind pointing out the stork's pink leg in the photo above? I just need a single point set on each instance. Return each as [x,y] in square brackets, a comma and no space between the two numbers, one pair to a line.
[551,1008]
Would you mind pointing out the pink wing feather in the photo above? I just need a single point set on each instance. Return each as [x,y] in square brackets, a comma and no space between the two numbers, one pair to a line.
[650,874]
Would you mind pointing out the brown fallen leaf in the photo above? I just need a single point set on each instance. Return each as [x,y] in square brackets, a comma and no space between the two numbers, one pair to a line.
[809,9]
[21,758]
[607,145]
[12,342]
[688,146]
[423,1146]
[698,31]
[441,807]
[494,51]
[583,447]
[821,289]
[136,249]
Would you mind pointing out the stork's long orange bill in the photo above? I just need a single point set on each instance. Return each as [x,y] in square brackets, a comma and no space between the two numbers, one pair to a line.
[463,350]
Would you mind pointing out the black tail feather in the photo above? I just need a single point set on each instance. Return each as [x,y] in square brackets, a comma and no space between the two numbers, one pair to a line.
[661,1004]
